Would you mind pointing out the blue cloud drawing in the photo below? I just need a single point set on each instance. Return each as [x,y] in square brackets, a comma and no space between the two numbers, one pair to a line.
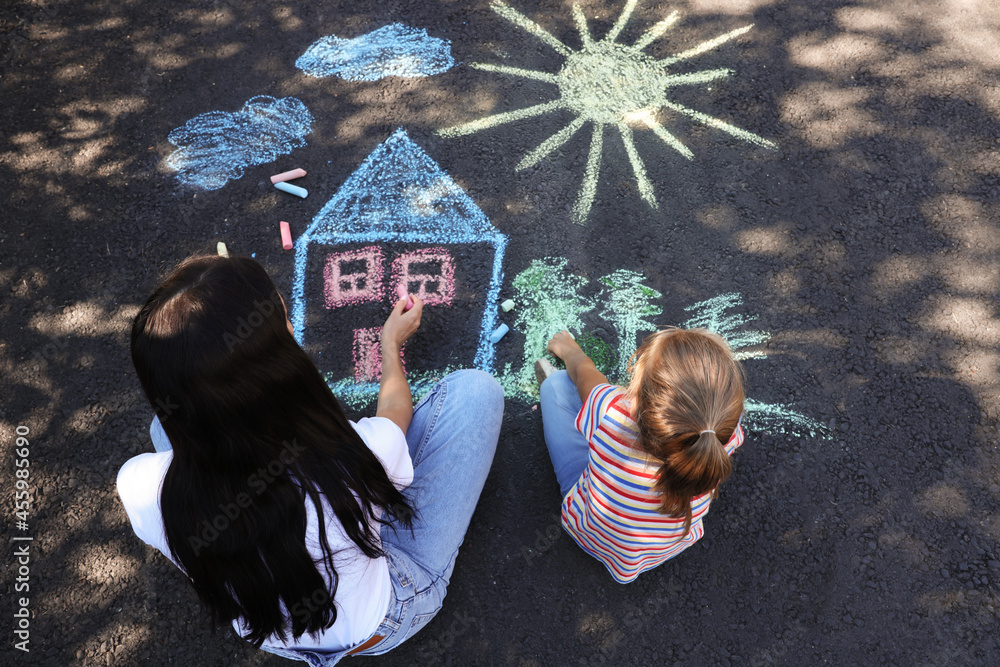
[217,146]
[395,50]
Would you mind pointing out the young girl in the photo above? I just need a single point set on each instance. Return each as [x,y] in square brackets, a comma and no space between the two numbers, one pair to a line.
[638,467]
[282,513]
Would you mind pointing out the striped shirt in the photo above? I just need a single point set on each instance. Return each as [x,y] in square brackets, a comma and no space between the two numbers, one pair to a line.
[611,512]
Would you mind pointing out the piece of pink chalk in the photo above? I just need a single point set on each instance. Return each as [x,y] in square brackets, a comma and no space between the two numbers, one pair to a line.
[401,291]
[288,175]
[286,236]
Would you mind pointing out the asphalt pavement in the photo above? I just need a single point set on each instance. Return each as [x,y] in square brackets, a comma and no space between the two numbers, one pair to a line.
[831,204]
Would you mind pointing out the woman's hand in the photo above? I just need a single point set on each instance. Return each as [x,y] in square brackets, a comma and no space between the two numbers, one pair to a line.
[394,399]
[563,345]
[400,326]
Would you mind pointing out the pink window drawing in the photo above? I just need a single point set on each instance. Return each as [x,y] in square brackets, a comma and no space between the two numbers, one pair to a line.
[428,273]
[368,354]
[353,277]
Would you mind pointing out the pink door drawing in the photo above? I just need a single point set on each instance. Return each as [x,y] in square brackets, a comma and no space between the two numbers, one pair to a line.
[367,353]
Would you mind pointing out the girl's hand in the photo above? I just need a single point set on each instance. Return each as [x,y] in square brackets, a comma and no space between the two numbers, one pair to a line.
[579,366]
[400,326]
[563,345]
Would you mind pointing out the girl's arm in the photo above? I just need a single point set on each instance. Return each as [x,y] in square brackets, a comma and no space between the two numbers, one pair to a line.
[395,402]
[582,371]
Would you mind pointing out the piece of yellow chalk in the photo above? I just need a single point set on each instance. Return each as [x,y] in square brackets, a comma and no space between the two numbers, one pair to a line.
[221,249]
[288,175]
[286,235]
[291,189]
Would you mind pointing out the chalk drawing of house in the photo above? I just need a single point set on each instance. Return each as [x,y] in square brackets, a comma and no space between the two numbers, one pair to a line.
[399,219]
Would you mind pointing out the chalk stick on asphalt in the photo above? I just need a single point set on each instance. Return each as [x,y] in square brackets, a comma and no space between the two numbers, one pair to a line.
[401,292]
[507,305]
[499,333]
[286,235]
[291,189]
[221,249]
[288,175]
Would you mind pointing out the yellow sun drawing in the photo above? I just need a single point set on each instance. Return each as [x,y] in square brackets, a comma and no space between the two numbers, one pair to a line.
[607,83]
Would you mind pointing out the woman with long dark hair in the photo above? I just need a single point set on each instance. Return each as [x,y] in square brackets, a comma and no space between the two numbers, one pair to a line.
[291,521]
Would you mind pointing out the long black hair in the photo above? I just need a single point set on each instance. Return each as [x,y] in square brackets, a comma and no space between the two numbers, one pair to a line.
[255,432]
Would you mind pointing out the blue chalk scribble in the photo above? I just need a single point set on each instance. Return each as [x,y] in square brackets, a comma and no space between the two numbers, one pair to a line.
[395,50]
[217,146]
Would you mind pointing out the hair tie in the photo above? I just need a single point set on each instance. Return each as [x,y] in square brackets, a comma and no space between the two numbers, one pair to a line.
[707,430]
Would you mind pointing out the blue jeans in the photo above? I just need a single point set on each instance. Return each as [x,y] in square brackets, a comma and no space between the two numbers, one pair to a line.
[568,449]
[452,439]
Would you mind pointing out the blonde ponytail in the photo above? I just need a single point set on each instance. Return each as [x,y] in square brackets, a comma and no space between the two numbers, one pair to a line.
[687,397]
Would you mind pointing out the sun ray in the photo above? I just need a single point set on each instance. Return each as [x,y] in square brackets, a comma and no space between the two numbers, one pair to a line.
[647,118]
[500,119]
[581,25]
[656,31]
[739,133]
[645,187]
[703,76]
[589,186]
[522,21]
[706,46]
[623,18]
[517,71]
[550,144]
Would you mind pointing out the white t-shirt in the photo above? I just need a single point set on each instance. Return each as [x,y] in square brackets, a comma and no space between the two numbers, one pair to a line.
[363,588]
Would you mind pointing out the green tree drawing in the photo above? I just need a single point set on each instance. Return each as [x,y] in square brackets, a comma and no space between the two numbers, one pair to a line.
[601,353]
[549,300]
[626,303]
[713,315]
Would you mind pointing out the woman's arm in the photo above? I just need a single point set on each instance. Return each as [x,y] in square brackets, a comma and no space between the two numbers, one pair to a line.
[582,371]
[395,402]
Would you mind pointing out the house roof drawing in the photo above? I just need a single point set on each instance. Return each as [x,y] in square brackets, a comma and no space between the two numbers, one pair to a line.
[399,194]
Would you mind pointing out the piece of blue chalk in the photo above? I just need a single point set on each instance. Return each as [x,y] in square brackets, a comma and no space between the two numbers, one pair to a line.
[291,189]
[499,333]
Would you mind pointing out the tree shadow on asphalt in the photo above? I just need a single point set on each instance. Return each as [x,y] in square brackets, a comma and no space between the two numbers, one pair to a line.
[866,244]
